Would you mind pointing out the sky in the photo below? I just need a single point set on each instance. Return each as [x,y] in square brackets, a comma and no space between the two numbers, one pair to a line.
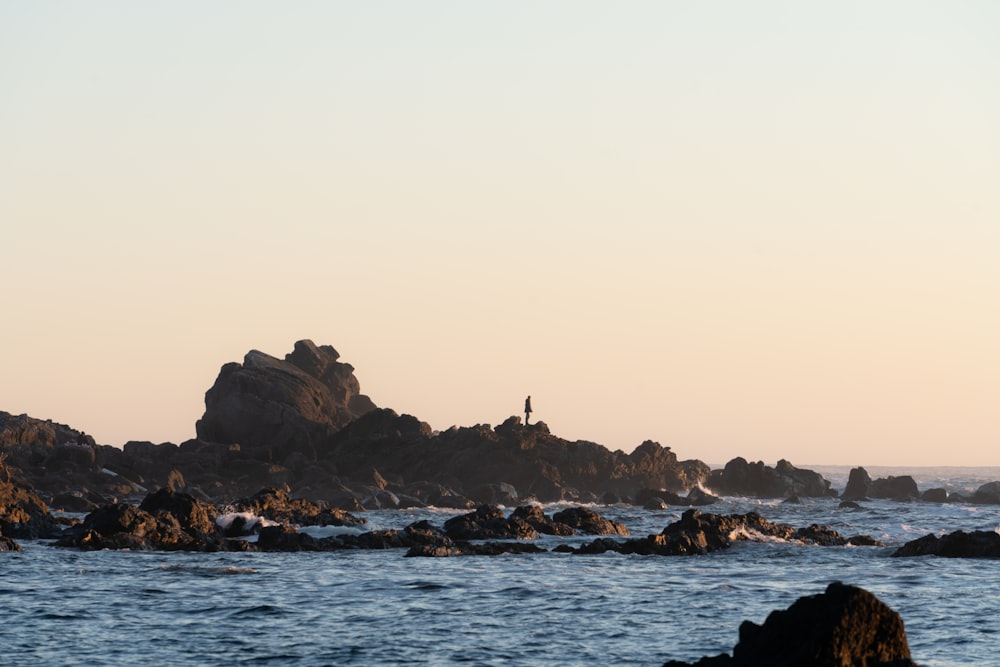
[768,229]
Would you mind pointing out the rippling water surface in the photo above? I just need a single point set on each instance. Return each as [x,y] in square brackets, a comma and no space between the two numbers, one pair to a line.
[64,607]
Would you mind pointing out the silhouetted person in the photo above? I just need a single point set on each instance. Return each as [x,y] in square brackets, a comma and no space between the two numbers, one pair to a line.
[527,410]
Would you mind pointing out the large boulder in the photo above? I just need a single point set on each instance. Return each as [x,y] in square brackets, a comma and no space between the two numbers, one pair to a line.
[902,487]
[845,626]
[987,494]
[858,483]
[285,405]
[741,478]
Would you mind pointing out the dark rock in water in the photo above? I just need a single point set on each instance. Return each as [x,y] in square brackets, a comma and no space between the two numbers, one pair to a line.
[193,515]
[488,523]
[166,521]
[698,497]
[959,544]
[8,544]
[792,500]
[654,504]
[858,483]
[740,478]
[533,515]
[843,626]
[656,499]
[937,495]
[849,505]
[698,533]
[588,521]
[495,494]
[902,487]
[288,405]
[987,494]
[72,502]
[276,505]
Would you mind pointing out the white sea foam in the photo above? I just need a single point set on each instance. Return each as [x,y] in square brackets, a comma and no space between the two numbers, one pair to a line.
[319,532]
[250,521]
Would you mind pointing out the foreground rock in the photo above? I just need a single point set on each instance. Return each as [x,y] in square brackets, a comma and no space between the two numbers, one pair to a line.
[844,626]
[959,544]
[698,533]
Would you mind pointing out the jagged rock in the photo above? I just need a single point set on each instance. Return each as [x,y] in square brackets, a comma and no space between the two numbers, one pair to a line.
[488,523]
[843,626]
[740,478]
[959,544]
[858,483]
[900,488]
[23,514]
[287,405]
[588,521]
[276,505]
[533,516]
[166,521]
[698,533]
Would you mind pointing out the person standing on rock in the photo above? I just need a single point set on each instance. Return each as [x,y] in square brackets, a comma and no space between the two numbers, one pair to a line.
[527,410]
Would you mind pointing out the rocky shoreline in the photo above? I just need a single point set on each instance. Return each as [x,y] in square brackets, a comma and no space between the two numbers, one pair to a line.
[286,445]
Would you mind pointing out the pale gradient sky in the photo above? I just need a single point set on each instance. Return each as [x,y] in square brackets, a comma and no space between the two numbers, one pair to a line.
[758,229]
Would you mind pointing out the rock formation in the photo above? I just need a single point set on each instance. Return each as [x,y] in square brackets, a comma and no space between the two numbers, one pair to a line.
[696,533]
[844,626]
[740,478]
[959,544]
[283,405]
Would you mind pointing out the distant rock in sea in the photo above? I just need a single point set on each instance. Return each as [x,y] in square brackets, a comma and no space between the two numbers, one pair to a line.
[741,478]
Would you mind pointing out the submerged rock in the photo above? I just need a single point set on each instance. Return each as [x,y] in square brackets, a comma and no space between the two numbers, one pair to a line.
[844,626]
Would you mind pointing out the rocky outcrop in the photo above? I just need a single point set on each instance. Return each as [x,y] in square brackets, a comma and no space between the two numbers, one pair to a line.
[286,405]
[959,544]
[22,513]
[166,521]
[697,533]
[740,478]
[588,521]
[843,626]
[277,506]
[858,483]
[902,487]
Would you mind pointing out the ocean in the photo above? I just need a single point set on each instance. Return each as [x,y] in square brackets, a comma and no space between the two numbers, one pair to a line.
[63,607]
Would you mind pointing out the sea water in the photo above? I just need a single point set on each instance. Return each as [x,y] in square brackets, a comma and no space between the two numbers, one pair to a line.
[68,607]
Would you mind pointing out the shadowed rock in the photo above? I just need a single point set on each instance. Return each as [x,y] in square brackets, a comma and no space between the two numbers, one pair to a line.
[844,626]
[959,544]
[287,405]
[698,533]
[740,478]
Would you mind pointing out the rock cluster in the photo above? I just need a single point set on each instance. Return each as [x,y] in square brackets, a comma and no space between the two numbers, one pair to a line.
[842,626]
[697,533]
